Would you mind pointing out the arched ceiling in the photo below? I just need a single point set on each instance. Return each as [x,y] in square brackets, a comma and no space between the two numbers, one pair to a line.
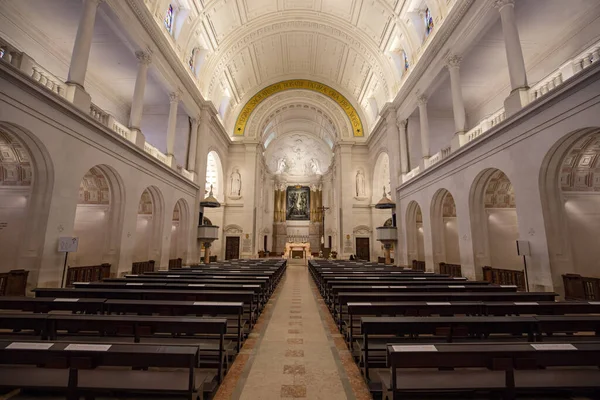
[15,163]
[247,45]
[499,192]
[580,171]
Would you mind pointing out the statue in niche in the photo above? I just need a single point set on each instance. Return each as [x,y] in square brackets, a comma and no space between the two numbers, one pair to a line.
[360,183]
[281,165]
[235,183]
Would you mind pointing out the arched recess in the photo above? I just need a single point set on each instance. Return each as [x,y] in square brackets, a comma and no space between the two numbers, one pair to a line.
[98,217]
[149,226]
[415,233]
[29,192]
[444,229]
[494,221]
[570,189]
[381,177]
[180,227]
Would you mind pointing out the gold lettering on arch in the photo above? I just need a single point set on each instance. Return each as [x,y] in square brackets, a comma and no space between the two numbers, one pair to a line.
[349,110]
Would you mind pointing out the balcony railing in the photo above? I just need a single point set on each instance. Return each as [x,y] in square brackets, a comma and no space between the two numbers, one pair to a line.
[437,157]
[414,172]
[43,77]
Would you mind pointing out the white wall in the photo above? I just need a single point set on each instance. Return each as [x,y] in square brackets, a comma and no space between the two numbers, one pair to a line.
[503,232]
[583,219]
[143,238]
[91,227]
[451,240]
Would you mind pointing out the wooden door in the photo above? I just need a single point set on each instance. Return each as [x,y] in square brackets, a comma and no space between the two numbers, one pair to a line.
[362,249]
[232,247]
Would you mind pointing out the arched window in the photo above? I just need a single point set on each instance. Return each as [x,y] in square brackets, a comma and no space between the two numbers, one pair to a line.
[169,19]
[428,22]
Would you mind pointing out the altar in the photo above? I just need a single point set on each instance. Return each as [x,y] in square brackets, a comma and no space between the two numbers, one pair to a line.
[297,252]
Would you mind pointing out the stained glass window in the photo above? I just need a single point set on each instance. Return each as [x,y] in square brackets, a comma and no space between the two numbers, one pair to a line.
[405,57]
[169,19]
[191,61]
[428,22]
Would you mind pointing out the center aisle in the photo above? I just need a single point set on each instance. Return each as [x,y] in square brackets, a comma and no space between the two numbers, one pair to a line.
[295,355]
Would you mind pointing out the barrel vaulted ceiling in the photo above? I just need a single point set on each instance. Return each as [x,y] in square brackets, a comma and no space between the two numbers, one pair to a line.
[247,45]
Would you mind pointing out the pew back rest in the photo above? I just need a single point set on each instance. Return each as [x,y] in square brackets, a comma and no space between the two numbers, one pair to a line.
[87,273]
[453,270]
[578,287]
[504,277]
[141,267]
[13,283]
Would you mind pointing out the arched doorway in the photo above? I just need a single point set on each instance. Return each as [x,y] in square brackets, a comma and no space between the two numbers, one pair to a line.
[415,233]
[16,182]
[179,231]
[98,218]
[570,188]
[494,222]
[149,226]
[444,229]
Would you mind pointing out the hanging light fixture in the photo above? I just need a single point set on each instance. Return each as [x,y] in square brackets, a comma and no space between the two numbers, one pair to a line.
[385,203]
[210,201]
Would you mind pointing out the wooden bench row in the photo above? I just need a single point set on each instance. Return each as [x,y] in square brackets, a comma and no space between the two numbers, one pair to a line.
[77,370]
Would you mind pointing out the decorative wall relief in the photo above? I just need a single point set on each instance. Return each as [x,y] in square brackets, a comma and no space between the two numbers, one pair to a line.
[298,202]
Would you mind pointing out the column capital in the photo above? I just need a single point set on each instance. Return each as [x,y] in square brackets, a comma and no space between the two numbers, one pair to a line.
[401,122]
[174,96]
[144,57]
[422,100]
[500,4]
[453,61]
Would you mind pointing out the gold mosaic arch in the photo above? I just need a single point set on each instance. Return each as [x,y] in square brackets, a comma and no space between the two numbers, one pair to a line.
[304,84]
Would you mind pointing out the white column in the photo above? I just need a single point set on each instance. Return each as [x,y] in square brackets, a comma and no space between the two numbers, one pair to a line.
[174,99]
[201,153]
[403,146]
[458,105]
[393,149]
[80,56]
[518,97]
[424,125]
[191,164]
[137,105]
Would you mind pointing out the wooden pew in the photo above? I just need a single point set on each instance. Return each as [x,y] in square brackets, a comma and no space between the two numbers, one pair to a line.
[13,283]
[75,369]
[578,287]
[448,327]
[175,263]
[182,308]
[88,273]
[504,277]
[450,269]
[418,265]
[45,305]
[506,369]
[246,297]
[343,298]
[141,267]
[475,327]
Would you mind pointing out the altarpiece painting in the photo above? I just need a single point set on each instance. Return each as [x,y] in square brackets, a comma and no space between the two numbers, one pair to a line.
[298,203]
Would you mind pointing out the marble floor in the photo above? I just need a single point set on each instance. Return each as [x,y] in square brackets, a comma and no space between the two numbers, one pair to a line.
[295,351]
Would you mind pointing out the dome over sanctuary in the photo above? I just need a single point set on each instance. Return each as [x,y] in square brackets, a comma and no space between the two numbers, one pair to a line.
[263,196]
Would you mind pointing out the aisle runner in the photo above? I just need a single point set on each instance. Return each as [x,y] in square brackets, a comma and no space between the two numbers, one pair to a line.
[295,357]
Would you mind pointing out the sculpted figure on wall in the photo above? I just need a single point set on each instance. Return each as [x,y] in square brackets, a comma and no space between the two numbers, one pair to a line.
[236,183]
[281,165]
[314,167]
[360,184]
